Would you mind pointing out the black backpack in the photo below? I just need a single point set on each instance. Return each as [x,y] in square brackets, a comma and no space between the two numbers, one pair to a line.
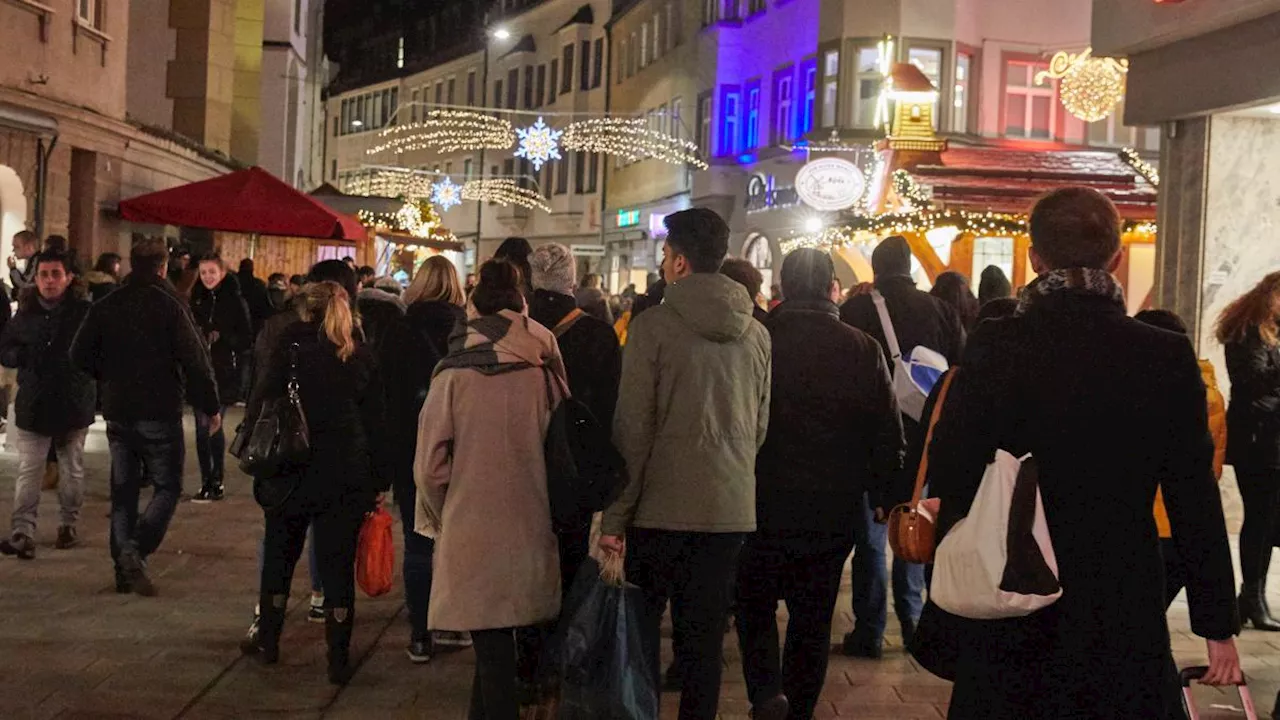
[585,472]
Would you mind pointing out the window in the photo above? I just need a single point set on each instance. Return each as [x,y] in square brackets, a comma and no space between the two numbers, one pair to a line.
[731,120]
[439,93]
[929,60]
[730,11]
[663,117]
[830,84]
[335,127]
[541,91]
[754,7]
[677,119]
[960,100]
[528,86]
[782,131]
[593,172]
[466,169]
[513,89]
[562,178]
[809,75]
[657,36]
[704,124]
[413,106]
[869,82]
[1112,131]
[584,80]
[709,8]
[752,138]
[89,12]
[598,63]
[297,17]
[622,64]
[471,89]
[579,172]
[1028,108]
[448,93]
[566,83]
[497,93]
[675,24]
[554,81]
[996,251]
[333,169]
[548,182]
[377,112]
[395,103]
[524,178]
[644,45]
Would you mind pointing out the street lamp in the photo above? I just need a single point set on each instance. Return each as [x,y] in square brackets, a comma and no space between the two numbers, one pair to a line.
[813,225]
[501,34]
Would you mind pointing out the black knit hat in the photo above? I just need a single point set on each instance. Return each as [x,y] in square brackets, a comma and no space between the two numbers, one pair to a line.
[892,258]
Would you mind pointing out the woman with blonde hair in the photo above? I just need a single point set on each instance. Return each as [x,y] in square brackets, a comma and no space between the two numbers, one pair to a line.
[340,389]
[435,299]
[1249,331]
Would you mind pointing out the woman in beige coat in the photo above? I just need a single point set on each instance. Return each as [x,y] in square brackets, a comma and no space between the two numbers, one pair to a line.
[482,485]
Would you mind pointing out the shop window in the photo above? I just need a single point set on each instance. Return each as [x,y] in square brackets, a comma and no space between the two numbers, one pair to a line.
[781,130]
[1028,107]
[988,251]
[869,81]
[751,140]
[566,84]
[962,99]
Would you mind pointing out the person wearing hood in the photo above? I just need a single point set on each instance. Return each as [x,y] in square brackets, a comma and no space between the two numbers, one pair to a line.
[481,479]
[919,320]
[104,277]
[993,285]
[693,408]
[223,318]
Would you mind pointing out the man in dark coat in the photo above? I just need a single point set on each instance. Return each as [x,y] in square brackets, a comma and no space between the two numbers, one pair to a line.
[55,401]
[835,433]
[1110,409]
[919,320]
[143,347]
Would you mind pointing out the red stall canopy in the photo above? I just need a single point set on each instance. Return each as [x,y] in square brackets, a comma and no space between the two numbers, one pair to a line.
[248,201]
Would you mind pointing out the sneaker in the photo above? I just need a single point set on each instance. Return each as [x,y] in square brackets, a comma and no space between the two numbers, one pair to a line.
[249,645]
[67,538]
[420,651]
[449,639]
[21,545]
[316,613]
[857,647]
[208,494]
[135,573]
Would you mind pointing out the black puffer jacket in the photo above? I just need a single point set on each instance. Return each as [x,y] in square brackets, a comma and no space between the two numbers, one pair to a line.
[406,362]
[592,358]
[1253,417]
[257,300]
[343,402]
[223,310]
[834,426]
[436,320]
[54,397]
[140,342]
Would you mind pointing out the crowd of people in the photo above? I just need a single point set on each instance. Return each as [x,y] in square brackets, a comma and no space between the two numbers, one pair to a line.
[765,443]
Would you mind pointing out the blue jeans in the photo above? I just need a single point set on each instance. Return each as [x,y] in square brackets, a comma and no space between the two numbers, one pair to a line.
[313,566]
[155,448]
[870,576]
[211,450]
[418,550]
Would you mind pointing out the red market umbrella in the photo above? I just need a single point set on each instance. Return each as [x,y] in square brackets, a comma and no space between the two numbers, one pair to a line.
[248,201]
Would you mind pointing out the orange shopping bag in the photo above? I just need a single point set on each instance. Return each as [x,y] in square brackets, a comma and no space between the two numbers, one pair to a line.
[375,554]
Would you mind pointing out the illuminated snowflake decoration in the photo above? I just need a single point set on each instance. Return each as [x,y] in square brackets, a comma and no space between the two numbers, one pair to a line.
[538,144]
[445,194]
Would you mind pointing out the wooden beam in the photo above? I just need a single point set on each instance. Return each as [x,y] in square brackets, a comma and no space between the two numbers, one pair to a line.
[962,255]
[1021,244]
[923,251]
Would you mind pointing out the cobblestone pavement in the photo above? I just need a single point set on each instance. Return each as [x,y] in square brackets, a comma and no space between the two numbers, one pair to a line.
[72,648]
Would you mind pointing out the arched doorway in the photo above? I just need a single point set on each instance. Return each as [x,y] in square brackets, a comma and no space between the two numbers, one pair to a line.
[13,209]
[759,252]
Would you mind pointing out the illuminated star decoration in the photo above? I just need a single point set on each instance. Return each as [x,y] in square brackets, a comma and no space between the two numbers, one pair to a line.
[446,194]
[538,144]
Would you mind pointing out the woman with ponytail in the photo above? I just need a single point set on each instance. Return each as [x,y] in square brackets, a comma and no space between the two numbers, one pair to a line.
[342,400]
[482,483]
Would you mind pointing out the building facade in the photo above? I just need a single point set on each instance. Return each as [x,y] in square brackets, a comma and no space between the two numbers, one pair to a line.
[1209,75]
[69,150]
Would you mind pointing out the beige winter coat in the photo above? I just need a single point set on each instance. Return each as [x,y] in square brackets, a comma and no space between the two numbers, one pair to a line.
[482,491]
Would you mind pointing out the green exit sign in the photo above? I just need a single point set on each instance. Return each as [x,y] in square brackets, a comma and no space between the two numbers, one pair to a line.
[628,218]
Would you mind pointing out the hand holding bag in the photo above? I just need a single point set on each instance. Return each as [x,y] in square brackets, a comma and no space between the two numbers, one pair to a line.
[376,554]
[912,533]
[278,443]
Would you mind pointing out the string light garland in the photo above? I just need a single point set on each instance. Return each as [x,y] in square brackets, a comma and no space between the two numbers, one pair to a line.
[448,131]
[1091,87]
[631,139]
[446,194]
[538,144]
[390,182]
[415,217]
[1143,168]
[504,191]
[912,194]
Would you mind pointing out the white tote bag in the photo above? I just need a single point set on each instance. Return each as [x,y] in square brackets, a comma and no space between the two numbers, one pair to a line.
[914,376]
[998,562]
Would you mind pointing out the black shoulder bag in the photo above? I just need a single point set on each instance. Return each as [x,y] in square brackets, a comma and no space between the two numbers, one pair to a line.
[278,444]
[585,472]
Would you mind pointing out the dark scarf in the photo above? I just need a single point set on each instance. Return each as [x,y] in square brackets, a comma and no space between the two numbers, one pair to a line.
[819,306]
[497,344]
[1073,281]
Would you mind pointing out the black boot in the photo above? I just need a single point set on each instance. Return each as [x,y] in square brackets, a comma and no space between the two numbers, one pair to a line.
[337,633]
[269,624]
[1253,609]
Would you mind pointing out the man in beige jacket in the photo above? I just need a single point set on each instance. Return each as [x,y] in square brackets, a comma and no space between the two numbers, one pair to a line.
[692,412]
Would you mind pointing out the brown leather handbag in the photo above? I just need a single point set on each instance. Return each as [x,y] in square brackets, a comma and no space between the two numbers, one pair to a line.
[911,533]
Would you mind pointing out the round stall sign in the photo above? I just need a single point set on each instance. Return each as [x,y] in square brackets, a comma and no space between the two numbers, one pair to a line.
[830,184]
